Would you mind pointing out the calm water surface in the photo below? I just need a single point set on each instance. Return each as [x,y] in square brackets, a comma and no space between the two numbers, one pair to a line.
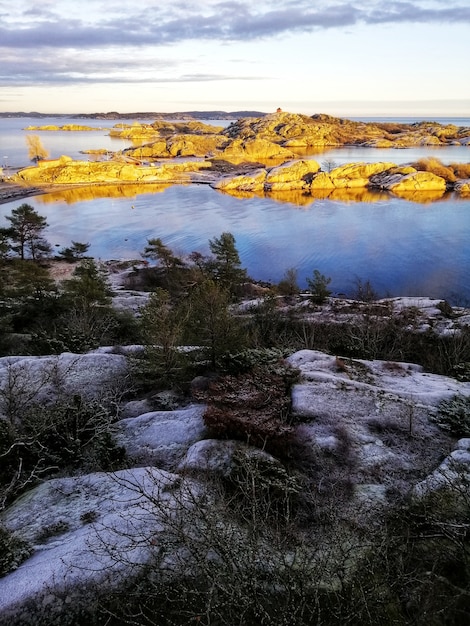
[402,247]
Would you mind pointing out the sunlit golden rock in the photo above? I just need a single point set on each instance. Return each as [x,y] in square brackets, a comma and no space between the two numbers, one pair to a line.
[295,175]
[66,171]
[253,181]
[255,150]
[403,169]
[378,143]
[322,181]
[195,145]
[66,127]
[418,181]
[359,170]
[157,149]
[133,131]
[350,176]
[179,146]
[402,180]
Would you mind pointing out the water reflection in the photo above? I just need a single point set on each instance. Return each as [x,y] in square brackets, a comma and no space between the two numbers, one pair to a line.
[297,197]
[83,194]
[422,196]
[303,198]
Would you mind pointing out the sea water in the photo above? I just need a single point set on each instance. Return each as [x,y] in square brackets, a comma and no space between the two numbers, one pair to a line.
[413,248]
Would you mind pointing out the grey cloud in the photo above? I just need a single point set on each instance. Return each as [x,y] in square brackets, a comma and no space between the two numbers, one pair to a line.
[25,72]
[238,21]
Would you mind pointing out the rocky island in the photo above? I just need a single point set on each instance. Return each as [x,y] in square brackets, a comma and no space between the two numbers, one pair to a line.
[264,154]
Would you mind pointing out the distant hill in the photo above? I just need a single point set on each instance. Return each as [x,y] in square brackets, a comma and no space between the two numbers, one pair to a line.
[114,115]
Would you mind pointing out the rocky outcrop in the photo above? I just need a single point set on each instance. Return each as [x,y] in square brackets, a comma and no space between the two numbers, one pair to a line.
[66,171]
[297,131]
[253,181]
[300,131]
[161,128]
[289,176]
[398,181]
[351,175]
[161,438]
[306,175]
[367,424]
[255,149]
[179,146]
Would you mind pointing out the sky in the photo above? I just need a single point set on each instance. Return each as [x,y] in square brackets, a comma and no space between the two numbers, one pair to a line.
[360,57]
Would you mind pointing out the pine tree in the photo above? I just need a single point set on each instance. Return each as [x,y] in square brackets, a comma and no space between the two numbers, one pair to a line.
[88,285]
[170,266]
[26,232]
[226,266]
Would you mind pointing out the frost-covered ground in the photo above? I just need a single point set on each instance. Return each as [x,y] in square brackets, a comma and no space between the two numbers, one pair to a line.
[371,420]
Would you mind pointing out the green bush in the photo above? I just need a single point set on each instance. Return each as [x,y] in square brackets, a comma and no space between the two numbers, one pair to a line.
[318,287]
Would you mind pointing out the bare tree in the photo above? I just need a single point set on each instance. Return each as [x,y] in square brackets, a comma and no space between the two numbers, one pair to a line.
[36,151]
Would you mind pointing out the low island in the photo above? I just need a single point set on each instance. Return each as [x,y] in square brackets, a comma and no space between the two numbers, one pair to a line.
[267,154]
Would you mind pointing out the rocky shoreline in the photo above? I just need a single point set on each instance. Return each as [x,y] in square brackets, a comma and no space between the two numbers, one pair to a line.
[264,154]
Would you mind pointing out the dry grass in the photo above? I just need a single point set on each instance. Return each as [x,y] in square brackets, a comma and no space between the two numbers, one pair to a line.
[461,170]
[435,166]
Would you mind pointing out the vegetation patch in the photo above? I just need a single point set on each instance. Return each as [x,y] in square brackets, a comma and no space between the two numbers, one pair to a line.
[253,406]
[453,416]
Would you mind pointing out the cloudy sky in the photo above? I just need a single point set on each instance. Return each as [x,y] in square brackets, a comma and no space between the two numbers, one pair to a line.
[360,57]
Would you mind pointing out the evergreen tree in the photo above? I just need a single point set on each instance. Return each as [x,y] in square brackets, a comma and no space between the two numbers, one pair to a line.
[76,251]
[210,322]
[318,287]
[88,285]
[5,246]
[226,266]
[26,231]
[162,323]
[169,265]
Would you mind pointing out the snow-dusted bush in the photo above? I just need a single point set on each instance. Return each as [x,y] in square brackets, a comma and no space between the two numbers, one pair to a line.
[453,416]
[13,551]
